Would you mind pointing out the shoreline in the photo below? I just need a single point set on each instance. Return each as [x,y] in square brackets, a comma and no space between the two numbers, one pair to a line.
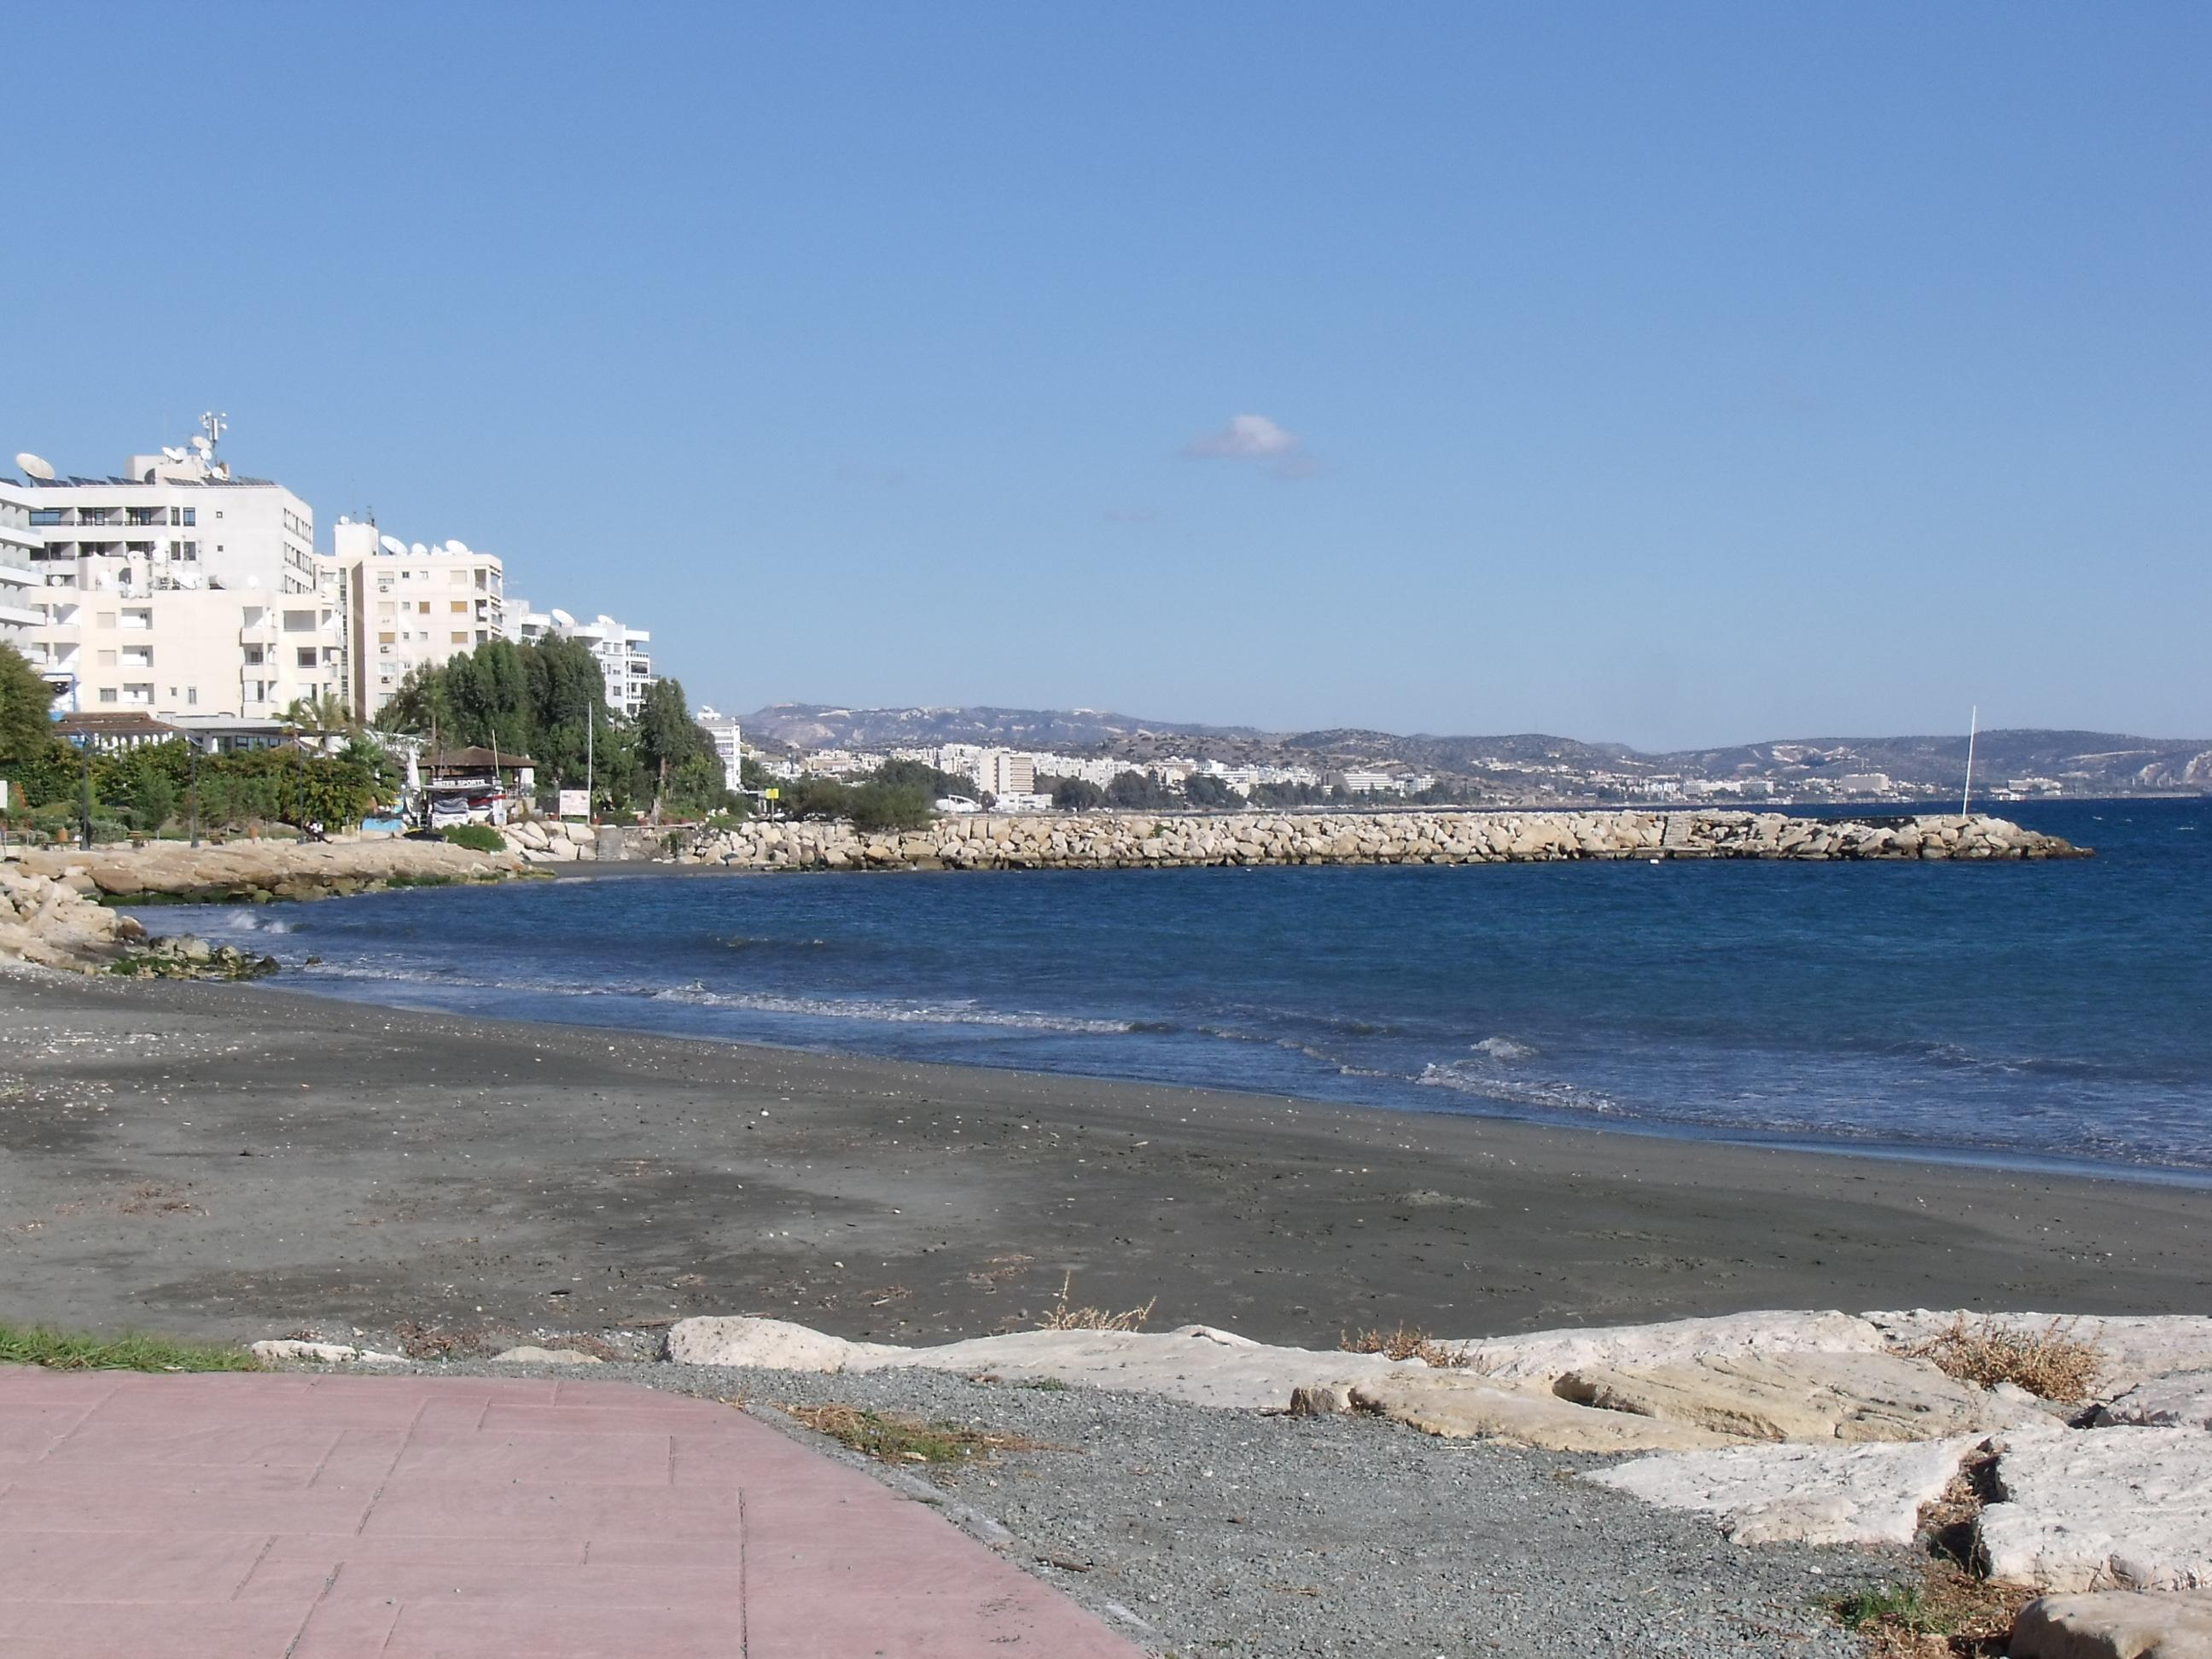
[1994,1159]
[247,1162]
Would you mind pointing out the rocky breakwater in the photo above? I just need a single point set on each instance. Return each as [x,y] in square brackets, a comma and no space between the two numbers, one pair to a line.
[56,906]
[1116,840]
[256,871]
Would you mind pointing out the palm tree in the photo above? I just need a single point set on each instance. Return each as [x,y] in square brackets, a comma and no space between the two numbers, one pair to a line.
[323,714]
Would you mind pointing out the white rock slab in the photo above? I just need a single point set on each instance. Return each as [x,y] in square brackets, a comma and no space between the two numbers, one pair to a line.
[1865,1493]
[2115,1625]
[1197,1362]
[2137,1348]
[529,1354]
[2103,1509]
[1461,1406]
[1549,1355]
[2183,1400]
[322,1353]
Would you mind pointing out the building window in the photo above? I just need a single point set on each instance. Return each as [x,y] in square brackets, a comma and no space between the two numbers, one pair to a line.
[299,622]
[458,607]
[461,637]
[107,659]
[192,695]
[307,656]
[107,694]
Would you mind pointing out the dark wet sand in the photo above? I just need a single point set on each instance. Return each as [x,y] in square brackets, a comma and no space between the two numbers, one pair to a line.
[241,1161]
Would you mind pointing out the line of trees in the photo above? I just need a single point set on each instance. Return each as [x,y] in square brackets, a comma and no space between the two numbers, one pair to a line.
[547,699]
[156,785]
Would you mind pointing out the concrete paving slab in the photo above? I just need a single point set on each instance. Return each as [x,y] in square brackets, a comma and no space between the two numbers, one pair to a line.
[255,1516]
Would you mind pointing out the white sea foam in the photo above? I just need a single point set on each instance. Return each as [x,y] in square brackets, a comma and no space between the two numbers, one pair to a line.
[1500,1048]
[898,1013]
[1563,1097]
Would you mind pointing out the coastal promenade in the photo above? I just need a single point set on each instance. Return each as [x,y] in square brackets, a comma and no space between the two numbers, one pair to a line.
[299,1516]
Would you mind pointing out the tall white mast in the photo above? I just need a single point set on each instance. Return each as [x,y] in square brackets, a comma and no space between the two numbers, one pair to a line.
[1973,725]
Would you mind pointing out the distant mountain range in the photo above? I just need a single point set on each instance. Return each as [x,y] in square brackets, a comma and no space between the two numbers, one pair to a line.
[2076,762]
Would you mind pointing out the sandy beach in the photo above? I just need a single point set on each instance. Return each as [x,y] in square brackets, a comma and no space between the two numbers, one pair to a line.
[230,1162]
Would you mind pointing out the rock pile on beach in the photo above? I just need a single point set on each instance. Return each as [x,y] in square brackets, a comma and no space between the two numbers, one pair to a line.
[1115,841]
[55,921]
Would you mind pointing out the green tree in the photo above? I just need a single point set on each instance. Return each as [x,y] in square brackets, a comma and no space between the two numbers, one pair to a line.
[1073,794]
[1133,790]
[1203,789]
[25,705]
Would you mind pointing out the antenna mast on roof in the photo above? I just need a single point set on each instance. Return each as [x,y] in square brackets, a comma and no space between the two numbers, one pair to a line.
[214,426]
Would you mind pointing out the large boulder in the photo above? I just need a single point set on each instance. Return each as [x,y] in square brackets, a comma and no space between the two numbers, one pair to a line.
[2125,1508]
[2183,1400]
[1801,1396]
[2115,1625]
[1459,1406]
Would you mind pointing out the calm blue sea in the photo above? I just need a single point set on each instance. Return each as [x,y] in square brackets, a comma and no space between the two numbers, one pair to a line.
[2026,1013]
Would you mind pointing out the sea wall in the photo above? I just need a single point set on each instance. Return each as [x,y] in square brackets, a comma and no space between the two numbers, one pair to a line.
[1116,841]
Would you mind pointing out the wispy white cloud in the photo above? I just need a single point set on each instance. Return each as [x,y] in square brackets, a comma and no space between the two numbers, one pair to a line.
[1256,437]
[1247,437]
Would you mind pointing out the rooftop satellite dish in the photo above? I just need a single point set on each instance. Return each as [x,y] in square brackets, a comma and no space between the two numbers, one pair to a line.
[456,547]
[419,550]
[35,466]
[202,444]
[173,452]
[392,544]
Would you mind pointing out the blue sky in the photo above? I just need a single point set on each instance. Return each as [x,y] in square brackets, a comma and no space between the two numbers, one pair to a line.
[1674,375]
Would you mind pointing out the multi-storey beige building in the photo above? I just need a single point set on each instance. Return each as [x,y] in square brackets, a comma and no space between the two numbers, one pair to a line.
[410,606]
[178,590]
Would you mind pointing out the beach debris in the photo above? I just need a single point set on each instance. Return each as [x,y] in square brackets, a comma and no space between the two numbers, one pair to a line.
[2115,1625]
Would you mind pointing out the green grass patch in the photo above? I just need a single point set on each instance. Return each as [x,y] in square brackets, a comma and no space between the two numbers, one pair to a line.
[894,1438]
[432,880]
[476,837]
[35,1345]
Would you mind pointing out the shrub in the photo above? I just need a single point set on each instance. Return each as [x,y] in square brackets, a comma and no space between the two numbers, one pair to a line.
[1406,1343]
[476,837]
[2052,1363]
[1064,1316]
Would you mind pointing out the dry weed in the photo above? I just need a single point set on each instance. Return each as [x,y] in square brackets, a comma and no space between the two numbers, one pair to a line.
[1407,1342]
[1948,1612]
[2052,1363]
[1063,1316]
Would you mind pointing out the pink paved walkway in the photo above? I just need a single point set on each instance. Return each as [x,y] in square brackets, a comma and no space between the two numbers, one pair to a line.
[342,1517]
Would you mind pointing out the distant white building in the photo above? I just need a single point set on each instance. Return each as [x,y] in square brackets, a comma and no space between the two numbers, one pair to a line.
[728,744]
[175,588]
[625,663]
[410,605]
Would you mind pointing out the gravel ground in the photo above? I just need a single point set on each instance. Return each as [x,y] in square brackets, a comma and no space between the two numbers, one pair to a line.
[1199,1532]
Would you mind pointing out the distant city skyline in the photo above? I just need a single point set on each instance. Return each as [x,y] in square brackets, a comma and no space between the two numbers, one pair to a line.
[1674,379]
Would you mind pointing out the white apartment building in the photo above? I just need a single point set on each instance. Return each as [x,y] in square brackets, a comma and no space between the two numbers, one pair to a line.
[177,588]
[17,579]
[625,663]
[723,728]
[410,605]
